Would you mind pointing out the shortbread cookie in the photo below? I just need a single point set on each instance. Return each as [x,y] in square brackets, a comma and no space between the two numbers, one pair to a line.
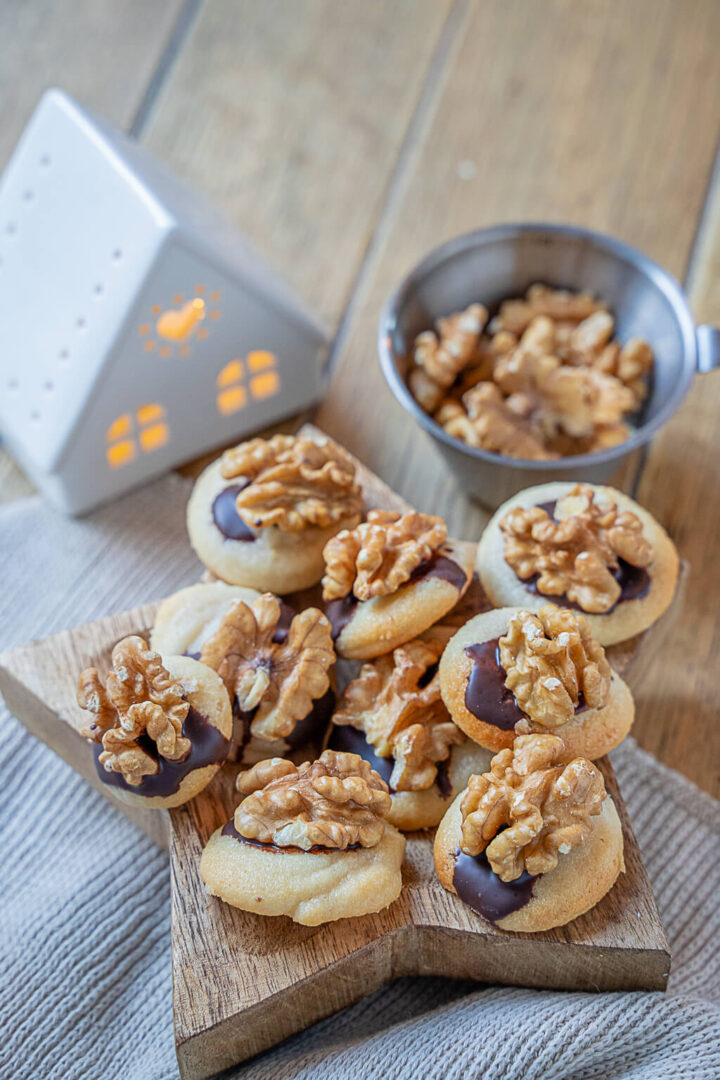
[392,715]
[311,842]
[580,546]
[390,579]
[185,620]
[161,726]
[261,514]
[531,844]
[509,672]
[278,677]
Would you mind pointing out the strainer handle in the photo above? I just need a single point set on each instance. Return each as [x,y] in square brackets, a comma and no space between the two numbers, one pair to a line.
[708,348]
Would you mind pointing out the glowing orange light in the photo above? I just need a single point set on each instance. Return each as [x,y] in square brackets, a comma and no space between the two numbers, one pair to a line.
[155,309]
[147,414]
[119,428]
[265,385]
[214,296]
[152,438]
[120,454]
[149,346]
[178,298]
[164,350]
[214,314]
[231,373]
[260,360]
[202,333]
[178,325]
[199,289]
[144,329]
[232,400]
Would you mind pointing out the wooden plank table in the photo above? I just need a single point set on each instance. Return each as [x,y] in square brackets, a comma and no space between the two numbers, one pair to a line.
[348,138]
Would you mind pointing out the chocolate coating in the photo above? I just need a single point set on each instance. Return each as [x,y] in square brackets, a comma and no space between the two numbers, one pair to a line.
[478,886]
[208,746]
[486,695]
[226,517]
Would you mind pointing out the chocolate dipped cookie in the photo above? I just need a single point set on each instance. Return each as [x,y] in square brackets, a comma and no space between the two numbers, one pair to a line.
[533,843]
[160,727]
[311,843]
[393,716]
[277,669]
[510,672]
[389,579]
[584,547]
[261,514]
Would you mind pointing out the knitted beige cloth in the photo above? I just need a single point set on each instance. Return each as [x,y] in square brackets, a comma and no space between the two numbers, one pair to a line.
[85,957]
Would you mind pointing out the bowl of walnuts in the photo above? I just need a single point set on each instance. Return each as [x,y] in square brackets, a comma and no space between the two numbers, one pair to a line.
[533,353]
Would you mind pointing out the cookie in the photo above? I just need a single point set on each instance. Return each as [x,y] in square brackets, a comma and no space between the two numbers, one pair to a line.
[391,578]
[261,514]
[161,726]
[581,546]
[185,620]
[310,843]
[277,671]
[532,844]
[509,672]
[392,715]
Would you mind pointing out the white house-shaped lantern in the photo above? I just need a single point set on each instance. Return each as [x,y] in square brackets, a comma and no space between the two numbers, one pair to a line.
[137,330]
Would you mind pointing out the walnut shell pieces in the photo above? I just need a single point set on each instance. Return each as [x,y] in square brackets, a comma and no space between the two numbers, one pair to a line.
[575,554]
[401,714]
[337,802]
[528,810]
[380,555]
[549,660]
[280,680]
[295,483]
[140,697]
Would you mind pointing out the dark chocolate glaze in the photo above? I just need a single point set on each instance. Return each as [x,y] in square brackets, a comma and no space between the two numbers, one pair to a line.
[208,747]
[226,517]
[287,614]
[634,581]
[350,740]
[230,830]
[313,727]
[478,886]
[486,695]
[340,612]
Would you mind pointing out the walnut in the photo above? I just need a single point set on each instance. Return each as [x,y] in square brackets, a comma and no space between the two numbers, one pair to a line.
[557,304]
[379,555]
[279,680]
[294,483]
[140,697]
[549,660]
[501,425]
[631,363]
[592,334]
[575,555]
[528,810]
[402,714]
[334,802]
[444,358]
[425,390]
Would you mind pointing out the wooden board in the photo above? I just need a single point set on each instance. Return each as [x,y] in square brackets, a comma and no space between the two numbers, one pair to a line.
[241,982]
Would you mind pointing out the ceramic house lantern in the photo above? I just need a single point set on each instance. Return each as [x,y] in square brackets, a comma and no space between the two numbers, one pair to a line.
[136,329]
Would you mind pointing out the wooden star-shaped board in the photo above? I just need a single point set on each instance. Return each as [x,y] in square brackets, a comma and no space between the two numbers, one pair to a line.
[242,982]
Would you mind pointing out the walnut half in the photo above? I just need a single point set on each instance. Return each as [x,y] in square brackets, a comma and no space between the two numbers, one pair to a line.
[575,554]
[140,697]
[549,660]
[528,810]
[295,482]
[334,802]
[402,714]
[379,556]
[280,680]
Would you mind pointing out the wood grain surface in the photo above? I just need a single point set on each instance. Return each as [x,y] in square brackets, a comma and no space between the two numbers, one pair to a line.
[241,982]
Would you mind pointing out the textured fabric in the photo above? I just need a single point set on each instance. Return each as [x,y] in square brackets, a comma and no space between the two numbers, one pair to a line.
[85,989]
